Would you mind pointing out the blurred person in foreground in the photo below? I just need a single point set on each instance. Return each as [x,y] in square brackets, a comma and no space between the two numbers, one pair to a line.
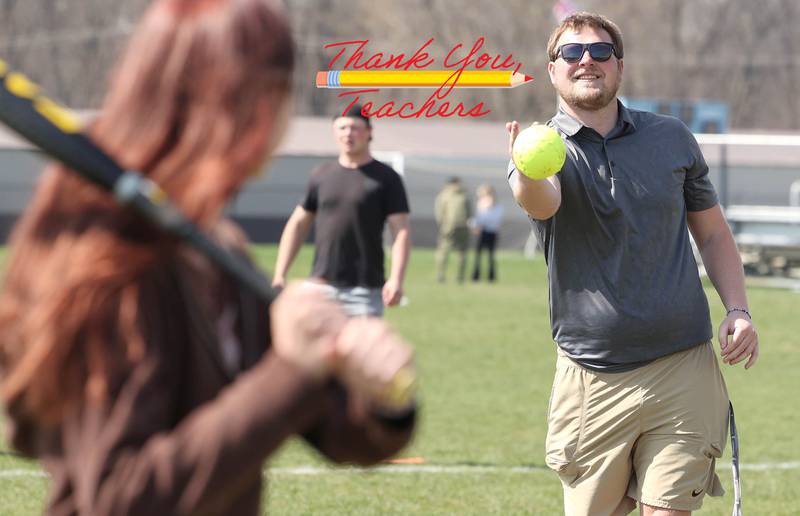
[146,381]
[486,225]
[639,409]
[348,202]
[452,210]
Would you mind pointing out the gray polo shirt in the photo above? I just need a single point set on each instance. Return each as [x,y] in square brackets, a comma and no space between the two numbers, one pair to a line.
[624,285]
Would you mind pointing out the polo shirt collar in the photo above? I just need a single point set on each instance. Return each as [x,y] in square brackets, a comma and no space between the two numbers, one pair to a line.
[570,126]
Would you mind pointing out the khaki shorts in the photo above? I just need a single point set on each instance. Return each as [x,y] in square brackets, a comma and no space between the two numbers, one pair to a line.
[649,435]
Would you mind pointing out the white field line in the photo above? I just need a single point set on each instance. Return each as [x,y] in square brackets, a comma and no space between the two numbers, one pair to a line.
[12,473]
[471,470]
[424,469]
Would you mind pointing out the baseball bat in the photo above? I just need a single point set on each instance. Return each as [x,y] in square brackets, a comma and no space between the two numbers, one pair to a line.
[56,131]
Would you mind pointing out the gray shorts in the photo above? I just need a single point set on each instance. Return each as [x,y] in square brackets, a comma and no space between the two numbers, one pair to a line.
[356,301]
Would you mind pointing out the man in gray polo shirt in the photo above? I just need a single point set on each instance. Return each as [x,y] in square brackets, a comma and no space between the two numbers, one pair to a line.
[639,406]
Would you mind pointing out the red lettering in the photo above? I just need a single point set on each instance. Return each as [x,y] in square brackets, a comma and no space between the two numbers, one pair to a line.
[408,105]
[505,65]
[420,58]
[374,61]
[354,57]
[385,110]
[435,105]
[476,112]
[449,84]
[356,94]
[442,112]
[466,60]
[430,103]
[447,57]
[481,61]
[429,109]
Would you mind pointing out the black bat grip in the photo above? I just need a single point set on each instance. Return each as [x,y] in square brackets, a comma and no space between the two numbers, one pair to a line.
[56,134]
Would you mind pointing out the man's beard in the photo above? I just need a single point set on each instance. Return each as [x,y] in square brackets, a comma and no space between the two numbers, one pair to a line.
[594,101]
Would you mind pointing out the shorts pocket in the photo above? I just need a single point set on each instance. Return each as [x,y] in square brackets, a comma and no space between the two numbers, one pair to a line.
[712,451]
[565,421]
[713,486]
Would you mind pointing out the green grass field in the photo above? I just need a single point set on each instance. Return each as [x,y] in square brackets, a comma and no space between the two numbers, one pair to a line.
[486,362]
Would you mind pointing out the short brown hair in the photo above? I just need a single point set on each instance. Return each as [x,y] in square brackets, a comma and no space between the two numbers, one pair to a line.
[579,20]
[354,111]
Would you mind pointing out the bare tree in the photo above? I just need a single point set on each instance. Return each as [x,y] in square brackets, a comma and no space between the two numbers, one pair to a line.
[741,52]
[67,46]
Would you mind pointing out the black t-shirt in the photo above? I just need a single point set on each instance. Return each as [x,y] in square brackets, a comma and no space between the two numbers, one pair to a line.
[351,207]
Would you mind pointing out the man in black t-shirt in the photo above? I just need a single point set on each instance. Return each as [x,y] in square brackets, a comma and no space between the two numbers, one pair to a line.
[348,202]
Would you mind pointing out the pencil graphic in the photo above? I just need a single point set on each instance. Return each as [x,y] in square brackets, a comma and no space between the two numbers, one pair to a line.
[420,79]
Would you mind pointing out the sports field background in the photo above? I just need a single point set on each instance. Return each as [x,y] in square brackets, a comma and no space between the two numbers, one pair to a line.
[487,361]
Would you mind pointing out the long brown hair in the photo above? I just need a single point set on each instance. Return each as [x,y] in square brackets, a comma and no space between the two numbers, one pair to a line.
[193,104]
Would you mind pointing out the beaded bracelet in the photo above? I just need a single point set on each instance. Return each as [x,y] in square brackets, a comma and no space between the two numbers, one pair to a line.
[743,310]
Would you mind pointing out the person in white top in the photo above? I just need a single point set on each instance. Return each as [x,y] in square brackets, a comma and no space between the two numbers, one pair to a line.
[486,224]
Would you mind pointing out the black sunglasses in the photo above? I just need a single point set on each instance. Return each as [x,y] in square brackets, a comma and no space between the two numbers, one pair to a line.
[573,52]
